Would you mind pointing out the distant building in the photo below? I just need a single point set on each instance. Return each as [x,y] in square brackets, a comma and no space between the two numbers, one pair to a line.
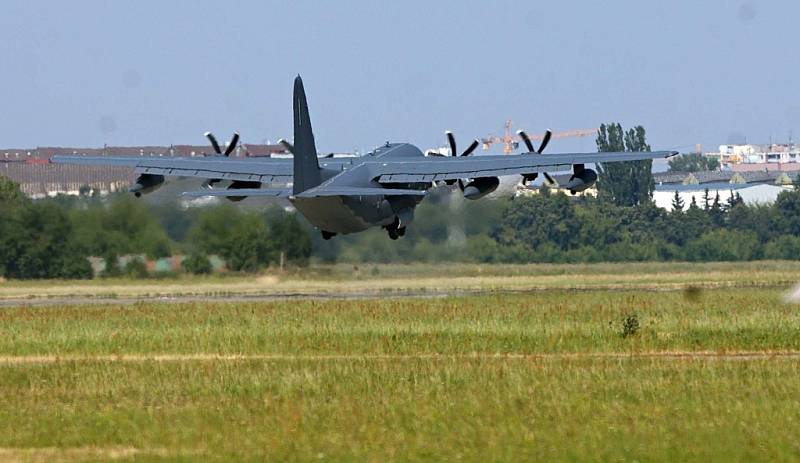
[732,155]
[558,181]
[31,168]
[761,193]
[757,186]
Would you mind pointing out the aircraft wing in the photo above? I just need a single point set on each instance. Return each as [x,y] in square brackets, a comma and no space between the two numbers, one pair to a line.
[274,192]
[453,168]
[265,170]
[357,191]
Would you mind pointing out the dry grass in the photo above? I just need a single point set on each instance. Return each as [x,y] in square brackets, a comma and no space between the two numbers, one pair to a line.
[546,375]
[387,280]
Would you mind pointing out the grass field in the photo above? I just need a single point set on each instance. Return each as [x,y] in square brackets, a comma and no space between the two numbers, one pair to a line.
[547,375]
[421,279]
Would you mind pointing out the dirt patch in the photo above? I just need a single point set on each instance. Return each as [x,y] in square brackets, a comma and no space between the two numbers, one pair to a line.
[267,280]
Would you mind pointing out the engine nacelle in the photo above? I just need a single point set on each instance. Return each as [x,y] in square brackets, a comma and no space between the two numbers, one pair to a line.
[581,179]
[480,187]
[146,183]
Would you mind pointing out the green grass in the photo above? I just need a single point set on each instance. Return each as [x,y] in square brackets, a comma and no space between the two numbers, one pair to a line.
[407,379]
[422,278]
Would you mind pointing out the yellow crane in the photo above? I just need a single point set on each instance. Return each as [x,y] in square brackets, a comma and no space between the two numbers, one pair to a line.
[510,140]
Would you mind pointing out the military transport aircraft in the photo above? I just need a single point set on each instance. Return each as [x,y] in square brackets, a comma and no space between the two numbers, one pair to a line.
[348,195]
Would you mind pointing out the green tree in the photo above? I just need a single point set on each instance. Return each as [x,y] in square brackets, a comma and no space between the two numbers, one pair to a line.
[10,192]
[716,212]
[40,244]
[723,245]
[677,203]
[121,226]
[197,264]
[539,224]
[288,236]
[624,183]
[787,206]
[241,238]
[784,247]
[692,162]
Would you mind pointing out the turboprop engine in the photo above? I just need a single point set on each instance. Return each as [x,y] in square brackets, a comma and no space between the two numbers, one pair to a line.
[479,187]
[146,183]
[581,179]
[473,188]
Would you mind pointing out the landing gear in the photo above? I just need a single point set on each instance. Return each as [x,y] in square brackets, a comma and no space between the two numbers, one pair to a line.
[326,235]
[395,230]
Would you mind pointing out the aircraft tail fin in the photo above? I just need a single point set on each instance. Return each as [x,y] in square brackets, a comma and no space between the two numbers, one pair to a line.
[306,166]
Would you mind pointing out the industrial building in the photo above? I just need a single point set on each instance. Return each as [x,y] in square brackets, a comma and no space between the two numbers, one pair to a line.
[754,187]
[38,178]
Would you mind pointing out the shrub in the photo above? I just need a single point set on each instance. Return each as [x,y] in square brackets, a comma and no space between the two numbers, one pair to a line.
[783,247]
[136,268]
[722,245]
[630,326]
[198,264]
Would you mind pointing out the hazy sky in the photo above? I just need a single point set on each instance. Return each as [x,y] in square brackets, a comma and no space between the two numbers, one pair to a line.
[85,73]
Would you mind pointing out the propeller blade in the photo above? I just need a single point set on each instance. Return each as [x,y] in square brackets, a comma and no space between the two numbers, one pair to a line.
[524,136]
[471,147]
[452,141]
[232,144]
[545,140]
[549,178]
[529,178]
[213,141]
[286,145]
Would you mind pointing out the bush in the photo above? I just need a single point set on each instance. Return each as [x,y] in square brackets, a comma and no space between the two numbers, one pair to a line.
[630,326]
[723,245]
[784,247]
[197,264]
[136,268]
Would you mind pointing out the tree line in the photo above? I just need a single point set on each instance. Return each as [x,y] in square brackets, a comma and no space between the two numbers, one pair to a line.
[51,238]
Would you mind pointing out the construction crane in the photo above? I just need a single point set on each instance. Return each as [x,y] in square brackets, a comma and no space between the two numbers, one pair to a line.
[510,140]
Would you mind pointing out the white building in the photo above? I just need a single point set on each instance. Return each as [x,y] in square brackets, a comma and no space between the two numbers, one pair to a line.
[760,193]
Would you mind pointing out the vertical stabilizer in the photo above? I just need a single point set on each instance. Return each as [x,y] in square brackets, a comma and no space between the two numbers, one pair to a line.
[306,165]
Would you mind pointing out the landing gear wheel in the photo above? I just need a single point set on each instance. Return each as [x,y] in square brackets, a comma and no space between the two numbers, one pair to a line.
[326,235]
[401,231]
[393,234]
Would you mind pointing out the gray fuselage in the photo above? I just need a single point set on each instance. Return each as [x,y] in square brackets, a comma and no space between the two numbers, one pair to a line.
[351,214]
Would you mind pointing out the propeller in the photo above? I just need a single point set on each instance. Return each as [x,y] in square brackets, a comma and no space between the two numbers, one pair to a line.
[230,146]
[451,140]
[228,150]
[529,144]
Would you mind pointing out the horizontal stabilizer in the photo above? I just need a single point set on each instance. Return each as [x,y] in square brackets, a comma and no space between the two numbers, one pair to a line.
[275,192]
[357,191]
